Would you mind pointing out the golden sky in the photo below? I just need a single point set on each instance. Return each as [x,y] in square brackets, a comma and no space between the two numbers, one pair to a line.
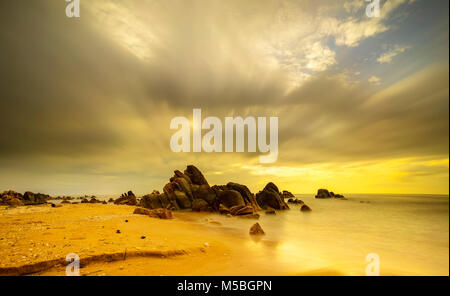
[362,102]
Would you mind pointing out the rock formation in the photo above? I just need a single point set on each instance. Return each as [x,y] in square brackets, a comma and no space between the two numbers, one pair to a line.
[13,198]
[126,199]
[324,193]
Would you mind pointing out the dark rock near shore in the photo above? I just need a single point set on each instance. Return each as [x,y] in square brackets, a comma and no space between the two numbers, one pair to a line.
[305,208]
[256,229]
[271,197]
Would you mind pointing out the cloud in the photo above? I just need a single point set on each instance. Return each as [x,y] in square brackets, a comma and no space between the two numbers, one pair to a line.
[390,54]
[374,80]
[88,102]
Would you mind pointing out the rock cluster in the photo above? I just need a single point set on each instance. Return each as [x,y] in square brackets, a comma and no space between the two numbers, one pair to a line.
[324,193]
[12,198]
[191,190]
[295,201]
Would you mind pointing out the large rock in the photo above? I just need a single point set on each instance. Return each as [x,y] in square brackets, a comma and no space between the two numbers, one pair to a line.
[195,175]
[231,198]
[151,201]
[270,197]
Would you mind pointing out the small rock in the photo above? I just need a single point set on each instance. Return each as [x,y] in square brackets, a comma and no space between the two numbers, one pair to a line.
[143,237]
[256,229]
[117,231]
[270,211]
[206,245]
[305,208]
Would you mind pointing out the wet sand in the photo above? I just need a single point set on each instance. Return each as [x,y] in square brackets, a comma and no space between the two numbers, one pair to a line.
[35,240]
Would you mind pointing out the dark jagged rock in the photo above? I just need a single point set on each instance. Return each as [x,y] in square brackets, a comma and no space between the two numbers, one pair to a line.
[270,197]
[126,199]
[195,175]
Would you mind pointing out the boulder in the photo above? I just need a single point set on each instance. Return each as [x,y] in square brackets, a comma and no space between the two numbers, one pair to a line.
[151,201]
[256,229]
[249,198]
[305,208]
[270,197]
[231,198]
[195,175]
[323,193]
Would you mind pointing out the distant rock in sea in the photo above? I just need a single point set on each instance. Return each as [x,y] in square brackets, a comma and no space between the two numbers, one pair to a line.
[324,193]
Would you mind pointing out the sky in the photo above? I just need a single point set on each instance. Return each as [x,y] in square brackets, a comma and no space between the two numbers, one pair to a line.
[86,103]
